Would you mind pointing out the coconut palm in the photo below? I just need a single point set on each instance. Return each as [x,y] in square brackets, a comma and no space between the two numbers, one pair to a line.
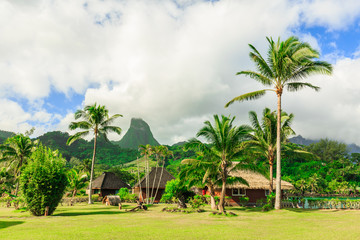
[16,151]
[94,119]
[225,145]
[263,140]
[288,63]
[147,151]
[161,153]
[76,181]
[202,171]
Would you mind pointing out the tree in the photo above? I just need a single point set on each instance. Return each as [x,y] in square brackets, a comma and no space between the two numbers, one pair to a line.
[202,171]
[176,189]
[94,119]
[329,150]
[43,181]
[263,140]
[16,151]
[146,151]
[288,62]
[225,141]
[76,181]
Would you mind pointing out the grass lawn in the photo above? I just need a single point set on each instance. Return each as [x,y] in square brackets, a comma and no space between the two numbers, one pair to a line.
[106,222]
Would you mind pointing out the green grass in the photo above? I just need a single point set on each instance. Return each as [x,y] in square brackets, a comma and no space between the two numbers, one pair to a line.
[106,222]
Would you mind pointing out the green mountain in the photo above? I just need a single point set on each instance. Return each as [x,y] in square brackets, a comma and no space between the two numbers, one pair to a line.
[107,152]
[139,133]
[5,135]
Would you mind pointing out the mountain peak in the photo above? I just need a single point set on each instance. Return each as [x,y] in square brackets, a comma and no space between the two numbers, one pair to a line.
[139,133]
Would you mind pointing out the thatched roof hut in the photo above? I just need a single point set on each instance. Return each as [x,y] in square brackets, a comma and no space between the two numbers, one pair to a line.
[256,181]
[108,183]
[156,171]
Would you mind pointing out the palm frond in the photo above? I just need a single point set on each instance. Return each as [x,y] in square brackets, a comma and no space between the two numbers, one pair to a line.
[77,136]
[248,96]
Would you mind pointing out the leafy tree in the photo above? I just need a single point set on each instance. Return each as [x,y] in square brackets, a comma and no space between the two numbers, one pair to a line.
[94,119]
[16,151]
[287,63]
[225,141]
[43,181]
[329,150]
[176,189]
[263,140]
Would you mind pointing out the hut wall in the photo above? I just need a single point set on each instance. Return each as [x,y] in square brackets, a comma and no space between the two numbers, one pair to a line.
[105,192]
[252,194]
[143,191]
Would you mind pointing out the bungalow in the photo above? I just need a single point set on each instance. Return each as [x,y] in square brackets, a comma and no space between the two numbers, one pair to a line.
[108,184]
[158,177]
[258,188]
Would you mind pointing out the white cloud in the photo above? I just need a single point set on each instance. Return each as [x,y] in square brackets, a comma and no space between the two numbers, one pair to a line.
[171,63]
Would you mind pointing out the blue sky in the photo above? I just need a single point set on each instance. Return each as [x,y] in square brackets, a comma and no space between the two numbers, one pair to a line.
[172,63]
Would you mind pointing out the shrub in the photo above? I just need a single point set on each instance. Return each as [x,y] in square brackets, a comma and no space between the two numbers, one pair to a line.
[243,201]
[43,181]
[125,196]
[197,201]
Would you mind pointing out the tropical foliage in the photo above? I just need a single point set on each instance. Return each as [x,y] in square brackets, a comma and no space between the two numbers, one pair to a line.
[287,64]
[94,119]
[43,181]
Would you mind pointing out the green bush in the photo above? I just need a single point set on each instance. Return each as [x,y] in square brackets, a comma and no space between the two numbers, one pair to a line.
[125,196]
[43,181]
[197,201]
[243,201]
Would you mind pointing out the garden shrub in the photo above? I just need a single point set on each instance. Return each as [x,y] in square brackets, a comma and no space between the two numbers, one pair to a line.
[197,201]
[43,181]
[243,201]
[125,196]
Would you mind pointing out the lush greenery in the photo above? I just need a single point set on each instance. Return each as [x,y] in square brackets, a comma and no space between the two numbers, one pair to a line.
[43,181]
[100,222]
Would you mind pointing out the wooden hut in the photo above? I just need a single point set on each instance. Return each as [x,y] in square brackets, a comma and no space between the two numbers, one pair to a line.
[158,177]
[258,187]
[108,184]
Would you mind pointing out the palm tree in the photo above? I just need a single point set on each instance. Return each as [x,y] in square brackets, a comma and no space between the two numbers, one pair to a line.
[161,153]
[94,119]
[146,151]
[17,150]
[76,181]
[263,140]
[202,171]
[225,144]
[288,62]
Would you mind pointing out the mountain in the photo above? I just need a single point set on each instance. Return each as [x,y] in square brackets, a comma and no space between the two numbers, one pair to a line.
[353,148]
[5,135]
[106,152]
[302,141]
[139,133]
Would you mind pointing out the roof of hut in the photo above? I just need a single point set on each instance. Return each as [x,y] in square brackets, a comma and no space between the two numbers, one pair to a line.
[156,171]
[109,180]
[256,181]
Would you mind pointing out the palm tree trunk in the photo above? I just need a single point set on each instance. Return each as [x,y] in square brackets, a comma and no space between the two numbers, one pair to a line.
[153,186]
[140,191]
[212,198]
[92,169]
[221,205]
[271,178]
[278,154]
[162,171]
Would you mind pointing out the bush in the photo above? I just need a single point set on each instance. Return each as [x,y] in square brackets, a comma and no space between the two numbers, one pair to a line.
[43,181]
[197,201]
[243,201]
[125,196]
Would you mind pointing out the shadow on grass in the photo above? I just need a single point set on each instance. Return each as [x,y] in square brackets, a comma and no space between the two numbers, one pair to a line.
[93,212]
[9,224]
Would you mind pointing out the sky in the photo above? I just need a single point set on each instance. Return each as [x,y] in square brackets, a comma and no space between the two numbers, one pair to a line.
[172,63]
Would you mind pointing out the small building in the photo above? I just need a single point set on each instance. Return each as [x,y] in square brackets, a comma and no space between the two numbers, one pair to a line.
[258,188]
[158,177]
[108,184]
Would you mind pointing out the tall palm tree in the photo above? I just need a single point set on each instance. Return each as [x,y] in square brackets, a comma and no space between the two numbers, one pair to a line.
[147,151]
[161,153]
[263,140]
[288,63]
[94,119]
[225,144]
[16,151]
